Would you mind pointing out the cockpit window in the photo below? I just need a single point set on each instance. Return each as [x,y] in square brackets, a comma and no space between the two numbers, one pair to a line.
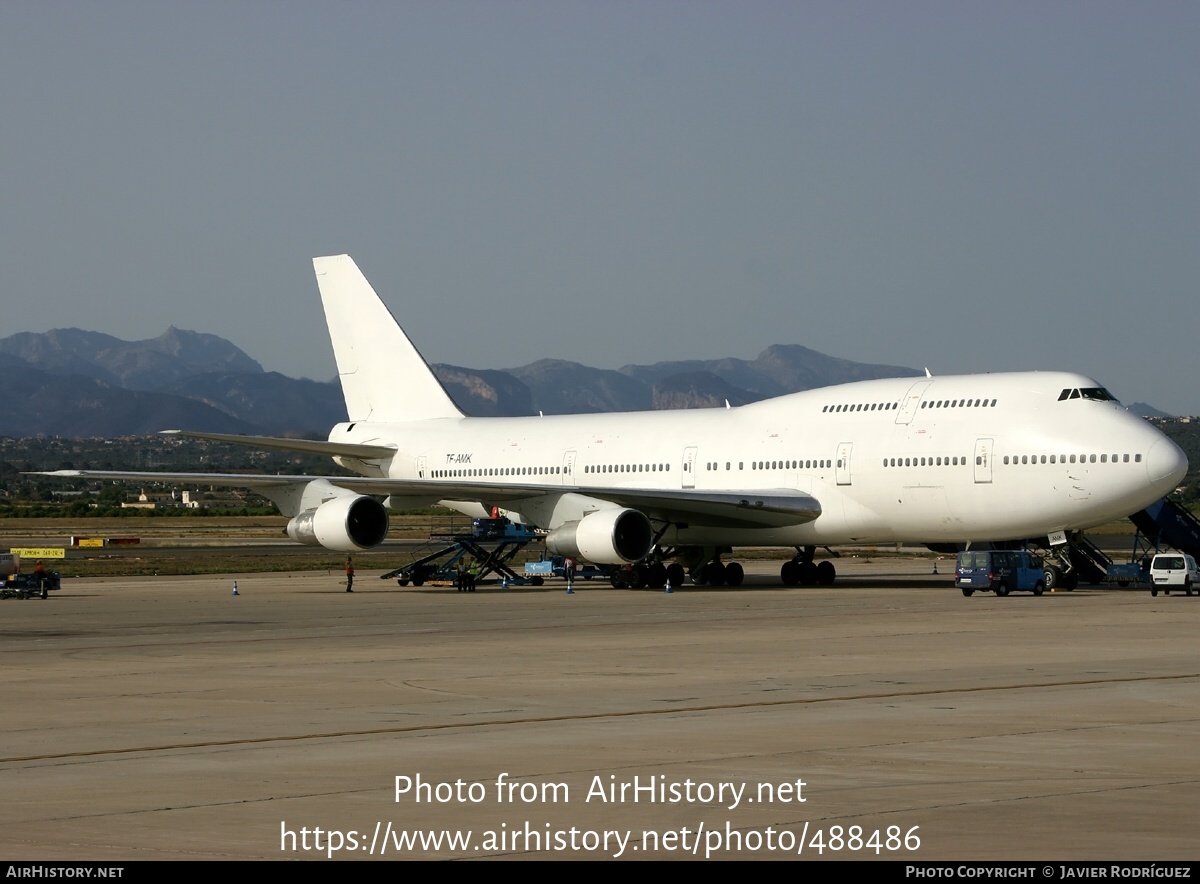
[1098,393]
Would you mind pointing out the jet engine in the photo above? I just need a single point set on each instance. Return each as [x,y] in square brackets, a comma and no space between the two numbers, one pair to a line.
[350,523]
[607,537]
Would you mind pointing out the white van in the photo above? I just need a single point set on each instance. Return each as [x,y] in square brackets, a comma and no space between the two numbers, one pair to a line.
[1173,569]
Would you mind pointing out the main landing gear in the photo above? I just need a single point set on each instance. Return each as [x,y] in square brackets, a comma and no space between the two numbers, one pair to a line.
[803,571]
[705,568]
[641,575]
[703,565]
[655,575]
[651,571]
[718,573]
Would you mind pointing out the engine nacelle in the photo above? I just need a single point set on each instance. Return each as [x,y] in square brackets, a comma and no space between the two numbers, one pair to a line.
[351,524]
[606,537]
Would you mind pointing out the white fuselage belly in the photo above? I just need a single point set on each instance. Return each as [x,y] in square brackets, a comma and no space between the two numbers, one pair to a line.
[889,460]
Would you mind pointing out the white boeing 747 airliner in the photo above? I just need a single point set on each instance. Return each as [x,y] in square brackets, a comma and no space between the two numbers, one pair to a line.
[937,460]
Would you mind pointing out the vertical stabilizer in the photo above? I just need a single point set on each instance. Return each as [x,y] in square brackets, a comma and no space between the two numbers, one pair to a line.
[383,376]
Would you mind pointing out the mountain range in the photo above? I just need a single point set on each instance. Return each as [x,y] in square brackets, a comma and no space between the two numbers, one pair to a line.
[75,383]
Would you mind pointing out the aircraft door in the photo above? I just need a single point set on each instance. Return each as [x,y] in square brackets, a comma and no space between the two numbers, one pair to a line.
[421,467]
[568,468]
[688,476]
[983,461]
[841,466]
[912,399]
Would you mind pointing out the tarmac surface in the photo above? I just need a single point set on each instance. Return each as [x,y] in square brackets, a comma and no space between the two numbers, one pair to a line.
[165,718]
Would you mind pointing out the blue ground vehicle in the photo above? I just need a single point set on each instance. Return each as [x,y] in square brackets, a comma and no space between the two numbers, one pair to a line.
[553,566]
[1000,571]
[27,586]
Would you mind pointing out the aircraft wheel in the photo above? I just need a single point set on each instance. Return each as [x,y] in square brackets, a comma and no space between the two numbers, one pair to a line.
[1039,588]
[967,591]
[617,579]
[790,572]
[637,577]
[808,573]
[714,573]
[676,574]
[1002,589]
[656,576]
[1069,581]
[826,573]
[1052,576]
[734,574]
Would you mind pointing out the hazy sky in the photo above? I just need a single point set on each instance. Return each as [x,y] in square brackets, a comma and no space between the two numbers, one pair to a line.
[967,186]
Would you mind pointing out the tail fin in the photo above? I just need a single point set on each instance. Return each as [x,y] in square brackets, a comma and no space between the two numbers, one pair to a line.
[383,376]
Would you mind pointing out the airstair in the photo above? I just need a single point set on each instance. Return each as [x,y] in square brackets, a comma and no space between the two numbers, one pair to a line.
[1089,561]
[1167,524]
[1163,523]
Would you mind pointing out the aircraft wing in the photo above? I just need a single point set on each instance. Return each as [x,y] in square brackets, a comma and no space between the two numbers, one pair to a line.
[728,509]
[428,488]
[309,446]
[232,480]
[724,509]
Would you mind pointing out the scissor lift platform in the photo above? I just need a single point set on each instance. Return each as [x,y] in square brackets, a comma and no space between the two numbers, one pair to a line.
[489,547]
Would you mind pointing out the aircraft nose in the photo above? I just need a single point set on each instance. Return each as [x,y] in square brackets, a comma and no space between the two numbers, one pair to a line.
[1166,465]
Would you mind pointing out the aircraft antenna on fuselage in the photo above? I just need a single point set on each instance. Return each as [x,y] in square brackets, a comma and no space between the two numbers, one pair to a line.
[384,377]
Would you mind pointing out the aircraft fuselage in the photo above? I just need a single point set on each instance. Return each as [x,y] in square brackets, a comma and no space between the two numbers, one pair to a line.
[944,459]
